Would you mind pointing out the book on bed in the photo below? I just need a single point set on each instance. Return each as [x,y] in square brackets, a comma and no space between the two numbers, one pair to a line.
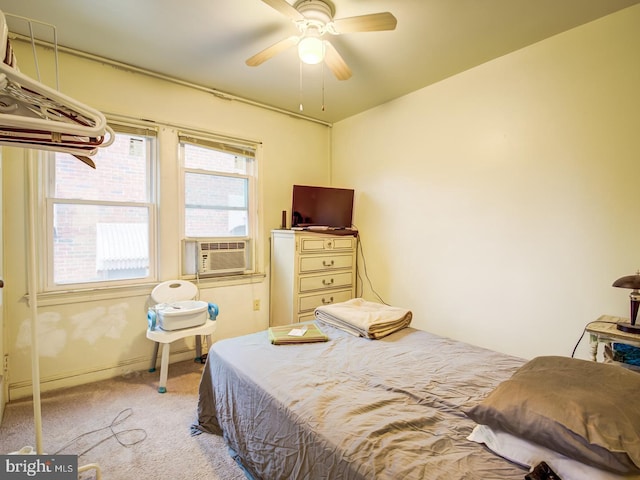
[296,333]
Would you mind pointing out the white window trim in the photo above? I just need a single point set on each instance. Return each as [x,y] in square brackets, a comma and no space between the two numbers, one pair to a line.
[91,292]
[45,228]
[241,147]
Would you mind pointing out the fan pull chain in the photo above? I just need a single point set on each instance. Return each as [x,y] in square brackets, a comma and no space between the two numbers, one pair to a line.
[323,86]
[301,106]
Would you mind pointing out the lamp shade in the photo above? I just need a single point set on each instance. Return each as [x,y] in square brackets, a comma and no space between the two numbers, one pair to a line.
[311,50]
[632,282]
[629,281]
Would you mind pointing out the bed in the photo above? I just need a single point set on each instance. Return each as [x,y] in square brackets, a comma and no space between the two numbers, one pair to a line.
[355,408]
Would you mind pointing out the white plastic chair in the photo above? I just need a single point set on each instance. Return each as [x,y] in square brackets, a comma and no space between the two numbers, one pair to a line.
[180,291]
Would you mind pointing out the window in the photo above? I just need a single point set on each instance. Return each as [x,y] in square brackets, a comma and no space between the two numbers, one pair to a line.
[219,204]
[101,222]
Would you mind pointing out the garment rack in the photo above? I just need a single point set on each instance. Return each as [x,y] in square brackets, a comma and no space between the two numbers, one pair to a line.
[35,116]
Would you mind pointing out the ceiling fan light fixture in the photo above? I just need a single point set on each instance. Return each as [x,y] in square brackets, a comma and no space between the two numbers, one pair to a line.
[311,50]
[314,19]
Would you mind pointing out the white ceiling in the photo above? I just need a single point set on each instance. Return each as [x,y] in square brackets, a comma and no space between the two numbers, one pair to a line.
[206,42]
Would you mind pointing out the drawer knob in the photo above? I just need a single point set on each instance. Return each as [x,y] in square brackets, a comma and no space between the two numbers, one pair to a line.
[327,302]
[326,282]
[328,264]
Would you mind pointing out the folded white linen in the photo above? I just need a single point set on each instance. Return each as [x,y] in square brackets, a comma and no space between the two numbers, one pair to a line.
[363,318]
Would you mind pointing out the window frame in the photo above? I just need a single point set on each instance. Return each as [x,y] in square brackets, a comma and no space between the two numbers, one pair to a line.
[246,149]
[49,201]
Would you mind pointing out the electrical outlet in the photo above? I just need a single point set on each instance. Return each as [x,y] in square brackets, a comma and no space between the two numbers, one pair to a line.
[5,363]
[256,304]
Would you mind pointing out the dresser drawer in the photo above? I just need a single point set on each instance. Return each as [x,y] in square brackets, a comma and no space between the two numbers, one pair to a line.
[310,302]
[325,262]
[322,244]
[322,282]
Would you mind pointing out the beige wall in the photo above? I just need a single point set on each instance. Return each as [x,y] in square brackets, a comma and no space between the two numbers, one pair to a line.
[88,337]
[500,204]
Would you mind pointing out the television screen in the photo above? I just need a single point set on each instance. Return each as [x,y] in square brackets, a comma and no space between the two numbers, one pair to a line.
[321,206]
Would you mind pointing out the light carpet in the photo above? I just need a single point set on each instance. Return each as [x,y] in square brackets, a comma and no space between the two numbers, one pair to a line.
[127,427]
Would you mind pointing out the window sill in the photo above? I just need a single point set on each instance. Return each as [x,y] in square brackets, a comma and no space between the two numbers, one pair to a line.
[65,297]
[213,281]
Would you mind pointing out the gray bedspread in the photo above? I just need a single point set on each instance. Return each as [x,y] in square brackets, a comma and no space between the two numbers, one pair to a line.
[353,408]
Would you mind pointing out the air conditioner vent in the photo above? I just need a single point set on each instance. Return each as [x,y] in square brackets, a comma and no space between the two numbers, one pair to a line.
[207,246]
[222,257]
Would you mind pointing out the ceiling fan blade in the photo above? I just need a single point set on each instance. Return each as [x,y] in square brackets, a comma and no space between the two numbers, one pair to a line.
[272,51]
[335,62]
[285,8]
[366,23]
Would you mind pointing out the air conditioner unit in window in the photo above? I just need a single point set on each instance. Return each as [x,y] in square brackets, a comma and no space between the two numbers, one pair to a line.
[215,257]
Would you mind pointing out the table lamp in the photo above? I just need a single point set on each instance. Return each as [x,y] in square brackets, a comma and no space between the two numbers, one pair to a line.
[632,282]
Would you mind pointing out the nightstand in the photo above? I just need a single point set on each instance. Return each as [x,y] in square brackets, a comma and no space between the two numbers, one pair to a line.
[604,330]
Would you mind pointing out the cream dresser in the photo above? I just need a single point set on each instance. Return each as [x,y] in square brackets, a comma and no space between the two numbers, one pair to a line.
[309,269]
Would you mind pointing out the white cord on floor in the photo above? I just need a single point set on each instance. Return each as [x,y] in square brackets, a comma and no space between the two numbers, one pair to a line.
[120,418]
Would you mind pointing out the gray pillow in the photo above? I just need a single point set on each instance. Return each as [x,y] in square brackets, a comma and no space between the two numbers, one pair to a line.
[585,410]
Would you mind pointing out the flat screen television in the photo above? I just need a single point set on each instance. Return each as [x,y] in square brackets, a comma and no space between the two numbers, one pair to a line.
[321,206]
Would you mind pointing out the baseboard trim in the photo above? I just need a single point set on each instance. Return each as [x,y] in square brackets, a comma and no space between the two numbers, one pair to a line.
[24,389]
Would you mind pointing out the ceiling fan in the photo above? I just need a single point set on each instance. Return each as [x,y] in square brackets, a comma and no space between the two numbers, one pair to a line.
[314,19]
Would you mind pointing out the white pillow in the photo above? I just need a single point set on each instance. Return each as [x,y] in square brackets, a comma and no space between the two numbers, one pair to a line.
[530,454]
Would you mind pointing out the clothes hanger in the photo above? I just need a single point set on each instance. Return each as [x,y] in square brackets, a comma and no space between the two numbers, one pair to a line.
[33,115]
[38,106]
